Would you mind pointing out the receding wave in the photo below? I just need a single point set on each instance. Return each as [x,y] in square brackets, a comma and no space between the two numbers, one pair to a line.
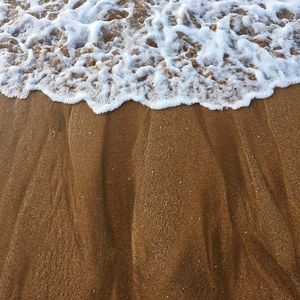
[161,53]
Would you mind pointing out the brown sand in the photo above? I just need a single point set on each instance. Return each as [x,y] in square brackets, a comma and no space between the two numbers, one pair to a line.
[181,203]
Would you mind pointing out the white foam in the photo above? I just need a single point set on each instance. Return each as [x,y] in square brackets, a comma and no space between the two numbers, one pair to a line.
[161,53]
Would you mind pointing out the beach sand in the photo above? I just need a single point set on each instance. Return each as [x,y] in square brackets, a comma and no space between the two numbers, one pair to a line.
[181,203]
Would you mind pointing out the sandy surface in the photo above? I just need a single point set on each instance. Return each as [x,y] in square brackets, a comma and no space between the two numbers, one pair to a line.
[182,203]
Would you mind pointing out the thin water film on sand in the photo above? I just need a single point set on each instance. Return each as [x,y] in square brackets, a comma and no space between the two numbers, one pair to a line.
[161,53]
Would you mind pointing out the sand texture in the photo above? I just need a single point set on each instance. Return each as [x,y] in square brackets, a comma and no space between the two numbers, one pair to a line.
[182,203]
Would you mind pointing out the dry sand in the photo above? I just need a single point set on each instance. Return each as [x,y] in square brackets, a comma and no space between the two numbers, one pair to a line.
[182,203]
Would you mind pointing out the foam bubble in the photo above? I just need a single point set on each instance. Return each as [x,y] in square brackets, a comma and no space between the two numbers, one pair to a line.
[161,53]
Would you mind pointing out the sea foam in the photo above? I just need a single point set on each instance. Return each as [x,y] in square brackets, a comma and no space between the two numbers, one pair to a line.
[221,54]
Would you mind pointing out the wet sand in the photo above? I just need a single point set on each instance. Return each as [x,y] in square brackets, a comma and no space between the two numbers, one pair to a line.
[182,203]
